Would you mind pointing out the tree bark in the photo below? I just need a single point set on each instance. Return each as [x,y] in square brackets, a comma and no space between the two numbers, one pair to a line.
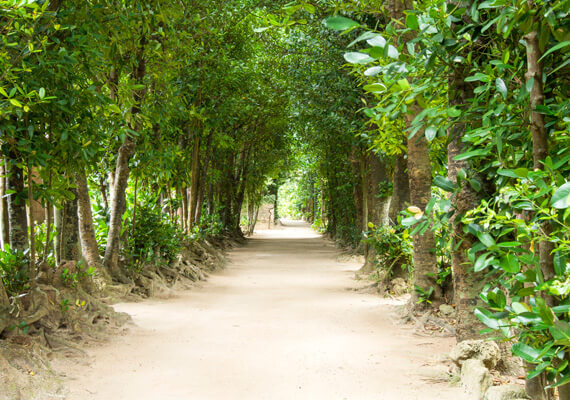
[70,242]
[419,174]
[195,181]
[118,199]
[4,220]
[419,171]
[17,219]
[118,207]
[401,188]
[468,284]
[31,224]
[536,387]
[58,219]
[89,246]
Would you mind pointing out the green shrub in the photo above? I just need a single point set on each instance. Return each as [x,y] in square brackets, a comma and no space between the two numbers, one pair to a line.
[14,271]
[154,237]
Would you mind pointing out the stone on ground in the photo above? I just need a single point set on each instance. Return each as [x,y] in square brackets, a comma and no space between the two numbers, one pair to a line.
[475,379]
[506,392]
[486,351]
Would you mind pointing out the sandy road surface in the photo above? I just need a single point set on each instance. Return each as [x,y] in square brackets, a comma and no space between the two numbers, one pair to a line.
[278,323]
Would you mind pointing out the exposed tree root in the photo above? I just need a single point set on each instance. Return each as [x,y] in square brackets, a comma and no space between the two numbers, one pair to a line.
[60,314]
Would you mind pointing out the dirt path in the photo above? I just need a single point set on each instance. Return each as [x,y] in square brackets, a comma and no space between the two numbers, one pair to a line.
[279,323]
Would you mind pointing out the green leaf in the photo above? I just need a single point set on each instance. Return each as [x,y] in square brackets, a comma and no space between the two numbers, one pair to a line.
[377,41]
[409,221]
[486,317]
[340,23]
[521,172]
[16,103]
[453,112]
[509,263]
[364,36]
[404,84]
[561,197]
[444,184]
[555,48]
[563,380]
[482,262]
[373,71]
[502,87]
[478,77]
[375,88]
[560,331]
[561,309]
[261,29]
[431,133]
[525,352]
[471,154]
[358,58]
[412,22]
[544,311]
[42,93]
[393,52]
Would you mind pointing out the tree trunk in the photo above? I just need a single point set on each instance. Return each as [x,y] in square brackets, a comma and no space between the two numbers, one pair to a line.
[118,199]
[401,188]
[31,224]
[58,214]
[419,174]
[536,387]
[184,209]
[4,220]
[118,207]
[378,202]
[49,220]
[89,246]
[70,242]
[367,267]
[195,181]
[419,171]
[17,219]
[468,285]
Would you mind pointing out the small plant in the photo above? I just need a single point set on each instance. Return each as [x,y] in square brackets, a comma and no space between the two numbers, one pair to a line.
[154,237]
[424,295]
[392,245]
[14,271]
[64,305]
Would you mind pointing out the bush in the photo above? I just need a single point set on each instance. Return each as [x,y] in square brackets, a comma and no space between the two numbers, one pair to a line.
[392,245]
[154,237]
[14,271]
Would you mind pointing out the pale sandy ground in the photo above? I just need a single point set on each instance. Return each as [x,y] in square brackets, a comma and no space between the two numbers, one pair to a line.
[278,323]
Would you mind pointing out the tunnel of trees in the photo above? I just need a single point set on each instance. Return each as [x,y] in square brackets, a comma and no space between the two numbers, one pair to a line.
[432,136]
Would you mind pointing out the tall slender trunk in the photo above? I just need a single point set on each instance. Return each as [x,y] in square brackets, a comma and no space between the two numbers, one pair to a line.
[17,219]
[184,208]
[58,220]
[4,220]
[70,242]
[536,387]
[31,224]
[401,188]
[468,285]
[49,221]
[89,246]
[118,207]
[195,181]
[126,151]
[419,171]
[367,268]
[203,177]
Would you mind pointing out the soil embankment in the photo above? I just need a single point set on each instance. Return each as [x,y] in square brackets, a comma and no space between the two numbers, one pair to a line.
[278,323]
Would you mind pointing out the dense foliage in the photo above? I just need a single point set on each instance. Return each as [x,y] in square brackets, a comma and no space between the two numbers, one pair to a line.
[433,136]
